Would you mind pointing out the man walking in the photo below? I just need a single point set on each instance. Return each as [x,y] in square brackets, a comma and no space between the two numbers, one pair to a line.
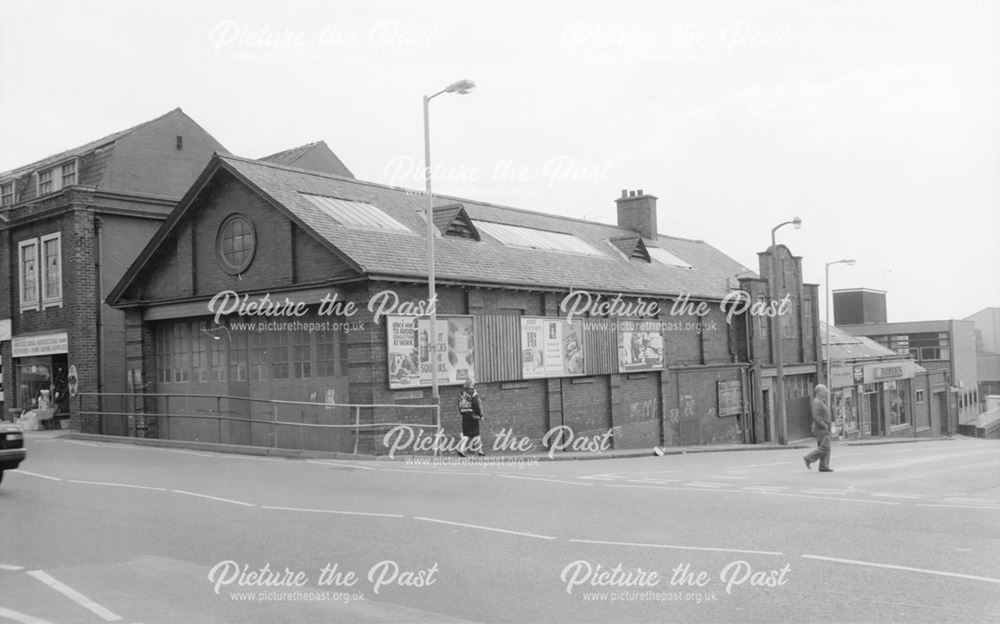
[821,430]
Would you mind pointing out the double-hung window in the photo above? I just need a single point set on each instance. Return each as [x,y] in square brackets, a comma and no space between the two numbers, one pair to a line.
[27,261]
[51,270]
[55,178]
[39,263]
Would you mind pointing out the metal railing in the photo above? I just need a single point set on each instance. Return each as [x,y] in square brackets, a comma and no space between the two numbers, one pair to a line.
[145,415]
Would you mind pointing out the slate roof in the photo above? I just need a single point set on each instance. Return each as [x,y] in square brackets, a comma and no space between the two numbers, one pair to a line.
[403,254]
[389,254]
[317,154]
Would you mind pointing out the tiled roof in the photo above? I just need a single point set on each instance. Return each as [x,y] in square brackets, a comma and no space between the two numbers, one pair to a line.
[77,151]
[403,254]
[844,346]
[289,156]
[315,156]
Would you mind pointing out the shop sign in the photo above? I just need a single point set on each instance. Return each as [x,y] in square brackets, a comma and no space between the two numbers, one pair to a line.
[889,371]
[841,376]
[4,329]
[43,344]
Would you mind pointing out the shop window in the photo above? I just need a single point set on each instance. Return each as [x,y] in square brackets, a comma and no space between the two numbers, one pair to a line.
[33,378]
[238,356]
[236,243]
[181,353]
[897,404]
[326,354]
[51,272]
[301,355]
[27,255]
[279,355]
[199,357]
[258,356]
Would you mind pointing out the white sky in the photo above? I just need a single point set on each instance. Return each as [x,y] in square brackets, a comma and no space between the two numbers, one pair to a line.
[877,123]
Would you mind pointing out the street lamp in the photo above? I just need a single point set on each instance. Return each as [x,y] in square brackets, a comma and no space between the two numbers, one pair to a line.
[461,87]
[829,321]
[779,372]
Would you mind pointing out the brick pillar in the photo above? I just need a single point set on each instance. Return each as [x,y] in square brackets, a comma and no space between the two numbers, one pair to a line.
[81,299]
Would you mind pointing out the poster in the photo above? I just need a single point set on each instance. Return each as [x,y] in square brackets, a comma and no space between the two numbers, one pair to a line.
[410,350]
[640,346]
[551,347]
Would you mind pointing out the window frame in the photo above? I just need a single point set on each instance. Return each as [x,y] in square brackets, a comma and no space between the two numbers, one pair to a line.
[56,177]
[227,266]
[57,300]
[8,190]
[24,303]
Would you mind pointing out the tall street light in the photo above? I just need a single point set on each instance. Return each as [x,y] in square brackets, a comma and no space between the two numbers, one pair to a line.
[461,87]
[829,321]
[779,366]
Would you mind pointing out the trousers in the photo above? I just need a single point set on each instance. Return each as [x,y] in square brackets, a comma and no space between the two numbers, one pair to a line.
[822,451]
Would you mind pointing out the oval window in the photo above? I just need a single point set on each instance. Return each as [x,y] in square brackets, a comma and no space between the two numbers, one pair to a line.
[236,243]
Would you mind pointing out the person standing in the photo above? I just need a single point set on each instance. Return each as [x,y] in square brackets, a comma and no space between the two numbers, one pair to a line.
[821,430]
[470,406]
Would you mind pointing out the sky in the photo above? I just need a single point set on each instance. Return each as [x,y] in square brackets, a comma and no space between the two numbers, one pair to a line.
[877,123]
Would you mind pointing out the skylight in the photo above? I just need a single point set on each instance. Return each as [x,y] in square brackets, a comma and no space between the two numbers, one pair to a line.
[665,257]
[356,214]
[517,236]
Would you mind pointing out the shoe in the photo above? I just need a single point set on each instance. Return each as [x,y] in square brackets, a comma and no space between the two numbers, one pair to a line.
[481,454]
[826,469]
[809,464]
[460,453]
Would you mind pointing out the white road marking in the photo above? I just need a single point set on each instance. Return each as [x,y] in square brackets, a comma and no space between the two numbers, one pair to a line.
[81,443]
[12,568]
[35,474]
[707,484]
[891,495]
[669,546]
[21,618]
[75,596]
[183,452]
[507,476]
[653,481]
[904,568]
[730,477]
[124,485]
[957,506]
[850,500]
[669,487]
[767,488]
[484,528]
[329,462]
[215,498]
[829,492]
[975,501]
[437,470]
[600,478]
[335,511]
[781,463]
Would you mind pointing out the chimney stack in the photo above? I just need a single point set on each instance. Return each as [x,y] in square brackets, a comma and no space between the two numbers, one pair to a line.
[637,211]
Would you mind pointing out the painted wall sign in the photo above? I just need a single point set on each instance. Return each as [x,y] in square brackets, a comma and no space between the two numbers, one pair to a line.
[42,344]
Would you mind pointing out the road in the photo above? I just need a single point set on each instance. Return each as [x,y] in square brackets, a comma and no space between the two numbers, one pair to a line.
[103,532]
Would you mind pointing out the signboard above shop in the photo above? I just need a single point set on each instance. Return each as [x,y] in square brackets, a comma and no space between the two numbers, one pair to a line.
[889,371]
[41,344]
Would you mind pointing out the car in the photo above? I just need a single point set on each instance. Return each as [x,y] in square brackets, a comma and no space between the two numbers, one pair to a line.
[12,451]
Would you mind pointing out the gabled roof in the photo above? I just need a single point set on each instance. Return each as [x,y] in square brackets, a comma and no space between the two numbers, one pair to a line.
[315,156]
[394,254]
[86,148]
[453,220]
[632,246]
[844,346]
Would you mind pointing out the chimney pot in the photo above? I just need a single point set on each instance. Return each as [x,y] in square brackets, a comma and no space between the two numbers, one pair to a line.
[639,193]
[624,193]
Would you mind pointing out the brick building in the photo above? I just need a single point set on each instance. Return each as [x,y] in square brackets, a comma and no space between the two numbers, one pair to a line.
[271,289]
[70,225]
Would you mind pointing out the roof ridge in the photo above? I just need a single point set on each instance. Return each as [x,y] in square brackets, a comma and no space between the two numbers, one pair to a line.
[291,149]
[96,143]
[454,198]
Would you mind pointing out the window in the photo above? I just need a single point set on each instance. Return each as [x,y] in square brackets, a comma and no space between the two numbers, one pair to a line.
[7,194]
[180,352]
[665,257]
[517,236]
[326,356]
[68,174]
[301,355]
[355,214]
[237,356]
[27,256]
[920,397]
[55,178]
[45,183]
[51,270]
[258,356]
[199,355]
[279,355]
[236,243]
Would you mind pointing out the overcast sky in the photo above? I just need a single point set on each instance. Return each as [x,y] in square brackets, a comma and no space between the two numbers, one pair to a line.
[876,123]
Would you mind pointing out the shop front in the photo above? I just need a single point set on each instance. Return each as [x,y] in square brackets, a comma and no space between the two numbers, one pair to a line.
[38,389]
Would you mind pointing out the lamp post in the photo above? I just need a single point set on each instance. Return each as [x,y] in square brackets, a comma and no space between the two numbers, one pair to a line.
[779,372]
[461,87]
[829,321]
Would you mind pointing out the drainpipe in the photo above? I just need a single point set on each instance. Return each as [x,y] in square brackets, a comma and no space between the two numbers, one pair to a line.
[99,283]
